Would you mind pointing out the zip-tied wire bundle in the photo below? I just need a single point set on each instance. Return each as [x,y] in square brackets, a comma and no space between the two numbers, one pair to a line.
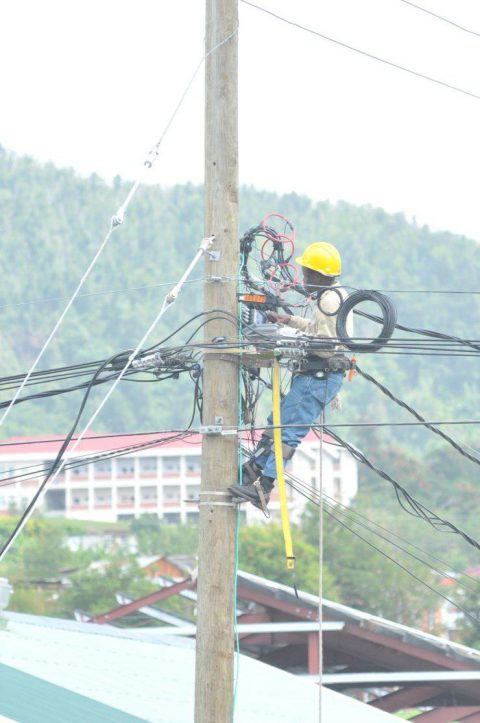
[116,220]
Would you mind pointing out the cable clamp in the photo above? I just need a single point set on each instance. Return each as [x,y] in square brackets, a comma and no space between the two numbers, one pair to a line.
[210,429]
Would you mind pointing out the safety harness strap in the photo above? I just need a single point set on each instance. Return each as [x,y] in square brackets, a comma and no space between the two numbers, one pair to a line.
[277,443]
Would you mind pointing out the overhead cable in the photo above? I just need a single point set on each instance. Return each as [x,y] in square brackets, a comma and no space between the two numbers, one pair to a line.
[456,445]
[363,52]
[332,513]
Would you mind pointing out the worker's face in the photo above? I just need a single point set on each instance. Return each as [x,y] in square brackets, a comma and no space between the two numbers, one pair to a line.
[311,280]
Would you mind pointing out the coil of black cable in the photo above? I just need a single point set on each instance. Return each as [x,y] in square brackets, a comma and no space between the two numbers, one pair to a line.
[388,314]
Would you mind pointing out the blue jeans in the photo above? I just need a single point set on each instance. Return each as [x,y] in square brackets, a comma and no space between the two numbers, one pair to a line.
[303,404]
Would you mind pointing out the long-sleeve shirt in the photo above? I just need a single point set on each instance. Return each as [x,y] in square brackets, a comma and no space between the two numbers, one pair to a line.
[322,326]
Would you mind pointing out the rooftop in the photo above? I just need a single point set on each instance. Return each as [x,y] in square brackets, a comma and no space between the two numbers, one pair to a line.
[58,670]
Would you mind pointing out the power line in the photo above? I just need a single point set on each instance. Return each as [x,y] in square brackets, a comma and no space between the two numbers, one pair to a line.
[33,441]
[353,514]
[313,495]
[456,445]
[59,462]
[330,512]
[92,459]
[124,290]
[363,52]
[441,17]
[408,503]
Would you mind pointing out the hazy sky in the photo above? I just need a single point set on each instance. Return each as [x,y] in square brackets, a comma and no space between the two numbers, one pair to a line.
[92,84]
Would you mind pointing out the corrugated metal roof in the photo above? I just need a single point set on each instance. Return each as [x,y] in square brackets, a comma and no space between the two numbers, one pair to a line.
[337,611]
[29,699]
[153,680]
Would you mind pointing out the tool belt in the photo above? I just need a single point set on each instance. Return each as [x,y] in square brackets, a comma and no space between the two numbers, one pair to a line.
[314,365]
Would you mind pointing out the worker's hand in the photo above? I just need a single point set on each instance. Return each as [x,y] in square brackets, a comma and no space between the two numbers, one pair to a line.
[277,318]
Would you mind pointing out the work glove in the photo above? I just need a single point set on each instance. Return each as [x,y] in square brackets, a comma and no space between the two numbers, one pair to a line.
[277,318]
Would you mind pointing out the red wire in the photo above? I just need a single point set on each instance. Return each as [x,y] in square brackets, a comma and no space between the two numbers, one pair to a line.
[281,286]
[273,214]
[272,240]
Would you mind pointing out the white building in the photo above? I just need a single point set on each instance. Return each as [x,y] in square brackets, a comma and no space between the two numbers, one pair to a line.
[162,480]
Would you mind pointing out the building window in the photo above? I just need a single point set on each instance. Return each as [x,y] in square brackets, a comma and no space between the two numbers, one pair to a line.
[80,470]
[148,465]
[125,496]
[7,470]
[171,493]
[80,498]
[54,500]
[172,518]
[126,467]
[336,464]
[171,465]
[194,464]
[48,468]
[102,468]
[192,518]
[193,491]
[103,497]
[148,495]
[337,488]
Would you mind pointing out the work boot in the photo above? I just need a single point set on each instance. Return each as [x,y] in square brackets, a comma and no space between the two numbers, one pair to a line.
[249,492]
[250,472]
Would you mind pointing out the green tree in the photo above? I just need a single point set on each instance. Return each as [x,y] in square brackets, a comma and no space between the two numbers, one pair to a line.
[154,537]
[467,595]
[93,590]
[262,553]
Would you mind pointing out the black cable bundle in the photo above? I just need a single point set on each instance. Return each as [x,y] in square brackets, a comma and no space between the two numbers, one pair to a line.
[388,320]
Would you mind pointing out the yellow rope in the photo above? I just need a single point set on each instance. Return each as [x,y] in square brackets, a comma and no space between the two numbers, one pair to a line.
[277,445]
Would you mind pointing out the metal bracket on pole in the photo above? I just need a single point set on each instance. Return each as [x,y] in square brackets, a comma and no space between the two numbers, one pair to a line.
[211,429]
[214,255]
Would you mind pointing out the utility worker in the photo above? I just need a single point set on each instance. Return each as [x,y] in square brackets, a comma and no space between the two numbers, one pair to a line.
[312,389]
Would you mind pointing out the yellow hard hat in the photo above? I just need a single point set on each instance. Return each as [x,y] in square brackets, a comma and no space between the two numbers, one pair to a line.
[322,257]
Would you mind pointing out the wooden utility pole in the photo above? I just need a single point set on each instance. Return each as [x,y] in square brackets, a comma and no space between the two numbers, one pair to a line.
[215,633]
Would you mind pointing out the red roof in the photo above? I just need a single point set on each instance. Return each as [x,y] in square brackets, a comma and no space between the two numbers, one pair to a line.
[93,443]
